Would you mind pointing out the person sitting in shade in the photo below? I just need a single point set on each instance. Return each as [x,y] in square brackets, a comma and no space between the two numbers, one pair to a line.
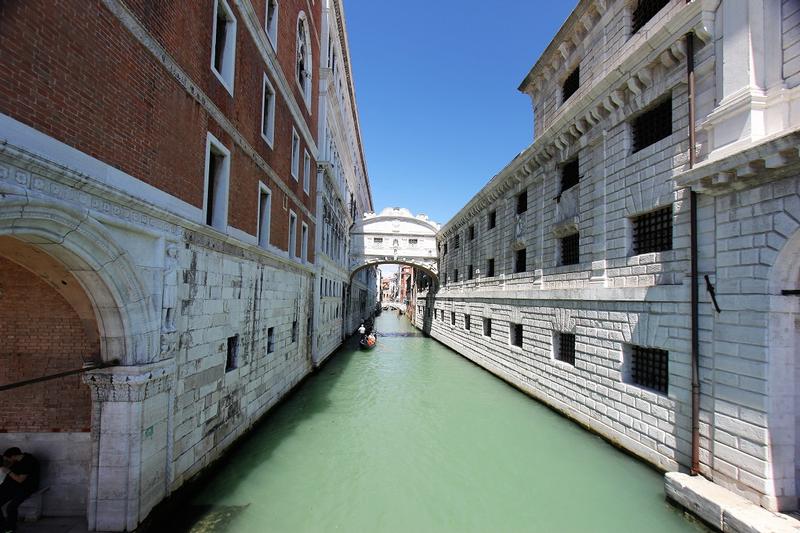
[22,480]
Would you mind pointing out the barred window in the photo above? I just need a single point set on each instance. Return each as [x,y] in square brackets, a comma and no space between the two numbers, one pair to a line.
[652,125]
[270,340]
[491,221]
[520,261]
[522,202]
[649,368]
[456,242]
[652,232]
[570,251]
[645,10]
[452,318]
[466,321]
[569,175]
[487,327]
[444,249]
[571,84]
[565,350]
[469,272]
[444,279]
[232,359]
[455,275]
[471,232]
[490,268]
[515,333]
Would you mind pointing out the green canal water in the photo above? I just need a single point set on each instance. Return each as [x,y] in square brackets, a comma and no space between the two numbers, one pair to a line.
[411,437]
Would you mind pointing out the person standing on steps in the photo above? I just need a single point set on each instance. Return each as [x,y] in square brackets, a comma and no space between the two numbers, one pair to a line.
[22,480]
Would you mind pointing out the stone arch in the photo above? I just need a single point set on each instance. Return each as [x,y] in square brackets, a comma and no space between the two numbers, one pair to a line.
[784,375]
[429,269]
[76,244]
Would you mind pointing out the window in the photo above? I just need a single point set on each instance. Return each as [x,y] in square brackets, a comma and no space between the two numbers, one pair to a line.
[292,245]
[456,242]
[645,10]
[455,275]
[515,335]
[649,368]
[652,232]
[268,112]
[271,23]
[223,44]
[522,202]
[306,171]
[445,249]
[378,240]
[471,232]
[487,327]
[264,213]
[570,252]
[232,360]
[303,241]
[569,175]
[217,177]
[520,261]
[452,318]
[571,84]
[444,279]
[491,221]
[295,155]
[565,347]
[466,321]
[270,340]
[652,126]
[294,331]
[412,242]
[469,272]
[303,68]
[490,268]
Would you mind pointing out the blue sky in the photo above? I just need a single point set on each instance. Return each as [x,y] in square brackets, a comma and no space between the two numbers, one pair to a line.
[436,83]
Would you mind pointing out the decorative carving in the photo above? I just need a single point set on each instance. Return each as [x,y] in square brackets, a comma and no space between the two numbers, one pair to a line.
[563,321]
[129,383]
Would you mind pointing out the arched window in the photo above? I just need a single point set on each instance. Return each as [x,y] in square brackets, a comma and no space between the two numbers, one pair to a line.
[303,67]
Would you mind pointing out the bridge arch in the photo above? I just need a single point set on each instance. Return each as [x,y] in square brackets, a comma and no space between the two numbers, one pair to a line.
[428,269]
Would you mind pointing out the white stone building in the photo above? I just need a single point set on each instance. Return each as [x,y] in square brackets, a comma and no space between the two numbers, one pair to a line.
[570,274]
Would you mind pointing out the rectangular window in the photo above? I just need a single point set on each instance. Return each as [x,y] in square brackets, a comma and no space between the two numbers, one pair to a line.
[271,22]
[515,335]
[569,175]
[487,327]
[268,112]
[292,244]
[652,232]
[377,240]
[216,183]
[490,268]
[294,331]
[456,242]
[295,155]
[466,322]
[270,340]
[652,125]
[571,84]
[306,171]
[452,318]
[469,272]
[471,232]
[412,242]
[303,241]
[264,213]
[565,349]
[645,10]
[455,275]
[570,251]
[491,221]
[520,261]
[444,279]
[232,360]
[445,249]
[223,44]
[649,368]
[522,202]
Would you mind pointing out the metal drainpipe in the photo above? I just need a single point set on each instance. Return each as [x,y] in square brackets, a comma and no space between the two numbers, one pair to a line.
[695,468]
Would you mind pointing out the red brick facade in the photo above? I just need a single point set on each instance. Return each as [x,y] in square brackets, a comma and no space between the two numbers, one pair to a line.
[41,334]
[88,82]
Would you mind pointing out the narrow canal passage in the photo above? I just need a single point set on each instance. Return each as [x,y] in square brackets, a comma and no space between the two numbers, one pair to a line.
[412,437]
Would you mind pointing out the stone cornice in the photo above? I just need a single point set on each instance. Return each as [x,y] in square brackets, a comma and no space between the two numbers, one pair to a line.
[624,81]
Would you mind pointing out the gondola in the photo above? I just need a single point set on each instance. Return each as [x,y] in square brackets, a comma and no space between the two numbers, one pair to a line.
[368,342]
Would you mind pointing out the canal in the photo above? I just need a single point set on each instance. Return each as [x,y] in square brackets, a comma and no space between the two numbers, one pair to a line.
[413,437]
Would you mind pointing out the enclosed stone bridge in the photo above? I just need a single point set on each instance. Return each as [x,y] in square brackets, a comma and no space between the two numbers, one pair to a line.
[394,236]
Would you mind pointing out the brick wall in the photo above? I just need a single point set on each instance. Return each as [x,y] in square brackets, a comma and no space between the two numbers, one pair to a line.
[41,334]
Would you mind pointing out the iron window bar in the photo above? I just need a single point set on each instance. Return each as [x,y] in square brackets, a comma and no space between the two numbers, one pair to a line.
[569,177]
[571,84]
[652,125]
[645,10]
[566,348]
[570,252]
[649,368]
[652,232]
